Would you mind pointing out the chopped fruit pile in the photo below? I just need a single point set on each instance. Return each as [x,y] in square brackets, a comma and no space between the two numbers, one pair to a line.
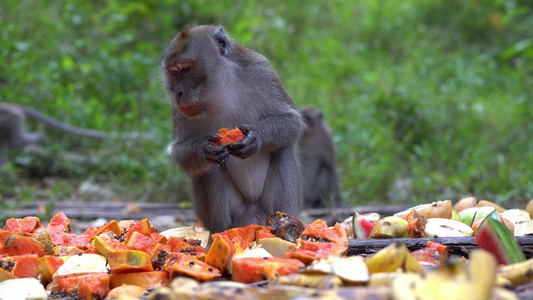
[132,258]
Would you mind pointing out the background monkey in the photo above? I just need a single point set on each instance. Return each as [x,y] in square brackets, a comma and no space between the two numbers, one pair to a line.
[318,156]
[213,82]
[13,133]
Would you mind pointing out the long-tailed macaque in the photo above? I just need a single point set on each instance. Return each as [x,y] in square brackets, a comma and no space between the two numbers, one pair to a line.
[318,154]
[212,82]
[13,133]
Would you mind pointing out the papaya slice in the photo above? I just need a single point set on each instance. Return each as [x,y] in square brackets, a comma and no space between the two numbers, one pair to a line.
[143,227]
[141,242]
[124,261]
[26,266]
[255,269]
[192,267]
[49,264]
[89,287]
[26,225]
[17,244]
[187,246]
[102,245]
[228,137]
[221,252]
[146,280]
[58,226]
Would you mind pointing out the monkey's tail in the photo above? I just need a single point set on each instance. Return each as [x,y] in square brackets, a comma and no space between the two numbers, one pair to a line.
[76,130]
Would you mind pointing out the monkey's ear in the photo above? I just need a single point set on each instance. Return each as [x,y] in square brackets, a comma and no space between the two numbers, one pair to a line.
[221,40]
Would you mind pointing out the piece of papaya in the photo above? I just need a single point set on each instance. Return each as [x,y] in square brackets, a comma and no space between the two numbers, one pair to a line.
[103,245]
[88,287]
[26,266]
[221,252]
[146,280]
[141,242]
[192,267]
[18,244]
[124,261]
[49,264]
[143,227]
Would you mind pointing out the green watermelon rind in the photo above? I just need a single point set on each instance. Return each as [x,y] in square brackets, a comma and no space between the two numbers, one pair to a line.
[496,238]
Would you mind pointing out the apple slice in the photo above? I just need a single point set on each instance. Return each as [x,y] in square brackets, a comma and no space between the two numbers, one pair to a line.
[440,227]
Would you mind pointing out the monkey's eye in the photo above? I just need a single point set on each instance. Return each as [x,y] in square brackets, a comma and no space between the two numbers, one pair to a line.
[173,69]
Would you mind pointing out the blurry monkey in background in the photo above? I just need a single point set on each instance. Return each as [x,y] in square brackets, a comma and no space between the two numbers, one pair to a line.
[318,157]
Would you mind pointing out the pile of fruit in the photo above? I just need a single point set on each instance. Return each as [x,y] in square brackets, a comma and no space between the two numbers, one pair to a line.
[284,259]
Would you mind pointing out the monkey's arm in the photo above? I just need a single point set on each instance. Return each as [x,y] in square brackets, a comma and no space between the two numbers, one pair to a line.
[196,155]
[270,134]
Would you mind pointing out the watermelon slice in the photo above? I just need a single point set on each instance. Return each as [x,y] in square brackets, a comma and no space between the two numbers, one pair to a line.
[361,227]
[497,239]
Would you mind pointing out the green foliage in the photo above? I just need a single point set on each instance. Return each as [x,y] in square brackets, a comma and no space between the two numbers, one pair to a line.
[428,99]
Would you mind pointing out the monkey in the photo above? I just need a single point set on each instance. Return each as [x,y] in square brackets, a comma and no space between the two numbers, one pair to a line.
[318,155]
[213,82]
[14,135]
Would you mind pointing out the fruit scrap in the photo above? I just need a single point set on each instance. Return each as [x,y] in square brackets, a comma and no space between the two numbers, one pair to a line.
[496,238]
[228,137]
[285,226]
[319,241]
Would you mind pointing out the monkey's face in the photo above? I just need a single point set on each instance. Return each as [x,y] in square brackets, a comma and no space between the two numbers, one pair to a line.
[191,69]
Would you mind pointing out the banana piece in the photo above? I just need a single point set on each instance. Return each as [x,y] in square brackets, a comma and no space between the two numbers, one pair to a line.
[317,281]
[392,257]
[450,281]
[383,279]
[518,273]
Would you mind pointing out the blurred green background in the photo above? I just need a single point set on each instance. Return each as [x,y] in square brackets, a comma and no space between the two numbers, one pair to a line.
[428,99]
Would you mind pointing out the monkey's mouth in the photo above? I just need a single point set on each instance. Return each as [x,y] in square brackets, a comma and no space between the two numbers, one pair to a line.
[192,110]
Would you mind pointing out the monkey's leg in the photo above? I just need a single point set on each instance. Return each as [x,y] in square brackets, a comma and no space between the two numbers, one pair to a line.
[214,194]
[283,191]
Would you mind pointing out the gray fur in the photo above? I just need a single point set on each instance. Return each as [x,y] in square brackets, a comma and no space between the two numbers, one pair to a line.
[230,85]
[318,153]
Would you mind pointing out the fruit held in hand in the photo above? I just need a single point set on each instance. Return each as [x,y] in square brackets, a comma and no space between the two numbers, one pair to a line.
[228,137]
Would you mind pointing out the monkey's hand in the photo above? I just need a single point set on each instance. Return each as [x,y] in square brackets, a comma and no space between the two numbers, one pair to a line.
[216,155]
[248,146]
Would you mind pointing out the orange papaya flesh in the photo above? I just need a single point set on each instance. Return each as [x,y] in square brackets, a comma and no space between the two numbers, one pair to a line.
[79,241]
[58,226]
[109,226]
[143,227]
[255,269]
[6,275]
[26,266]
[124,261]
[221,252]
[26,225]
[18,244]
[141,242]
[307,252]
[89,287]
[49,264]
[102,245]
[247,233]
[186,246]
[264,233]
[146,280]
[192,267]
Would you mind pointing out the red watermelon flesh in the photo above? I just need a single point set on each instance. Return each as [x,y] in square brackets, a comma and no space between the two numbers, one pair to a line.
[497,239]
[361,227]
